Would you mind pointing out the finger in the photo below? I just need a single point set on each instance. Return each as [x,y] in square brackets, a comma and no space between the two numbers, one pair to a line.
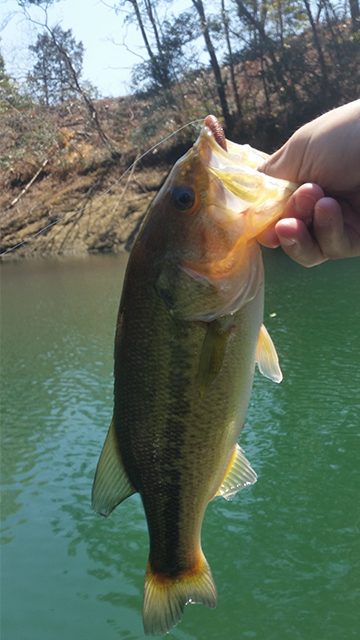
[329,229]
[353,198]
[302,202]
[300,205]
[298,243]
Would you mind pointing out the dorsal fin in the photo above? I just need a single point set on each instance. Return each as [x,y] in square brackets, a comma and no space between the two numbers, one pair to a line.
[111,484]
[239,474]
[266,356]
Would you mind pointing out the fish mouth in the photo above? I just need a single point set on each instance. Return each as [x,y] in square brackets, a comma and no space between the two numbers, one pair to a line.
[238,189]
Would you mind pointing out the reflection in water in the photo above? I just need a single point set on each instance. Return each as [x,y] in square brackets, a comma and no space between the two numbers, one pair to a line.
[284,553]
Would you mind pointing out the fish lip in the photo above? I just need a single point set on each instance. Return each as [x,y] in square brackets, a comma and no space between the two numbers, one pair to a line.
[227,164]
[222,166]
[235,161]
[207,145]
[239,190]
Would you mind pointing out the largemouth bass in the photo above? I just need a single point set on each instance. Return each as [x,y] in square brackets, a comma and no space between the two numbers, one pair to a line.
[189,332]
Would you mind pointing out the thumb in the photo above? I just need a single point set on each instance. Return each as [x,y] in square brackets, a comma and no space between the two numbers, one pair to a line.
[284,163]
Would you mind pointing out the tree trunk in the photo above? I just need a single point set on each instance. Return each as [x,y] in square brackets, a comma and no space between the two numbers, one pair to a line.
[231,60]
[150,13]
[142,30]
[220,86]
[45,83]
[355,15]
[160,71]
[317,44]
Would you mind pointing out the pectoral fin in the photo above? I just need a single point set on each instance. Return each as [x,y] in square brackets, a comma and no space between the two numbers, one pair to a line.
[266,357]
[212,354]
[111,484]
[239,474]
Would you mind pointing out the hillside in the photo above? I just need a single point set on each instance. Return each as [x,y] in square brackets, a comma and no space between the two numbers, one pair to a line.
[73,198]
[68,181]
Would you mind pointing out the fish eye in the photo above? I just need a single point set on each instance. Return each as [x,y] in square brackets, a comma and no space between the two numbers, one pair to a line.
[183,197]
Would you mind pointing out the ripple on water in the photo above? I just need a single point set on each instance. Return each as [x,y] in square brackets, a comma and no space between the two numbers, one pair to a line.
[284,552]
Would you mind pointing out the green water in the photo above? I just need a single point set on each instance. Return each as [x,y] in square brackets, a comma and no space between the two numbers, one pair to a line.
[285,553]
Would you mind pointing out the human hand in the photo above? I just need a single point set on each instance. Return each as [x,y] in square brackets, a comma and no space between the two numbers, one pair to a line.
[320,223]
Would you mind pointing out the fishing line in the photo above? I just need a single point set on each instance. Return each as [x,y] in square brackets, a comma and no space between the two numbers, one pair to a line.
[174,133]
[129,169]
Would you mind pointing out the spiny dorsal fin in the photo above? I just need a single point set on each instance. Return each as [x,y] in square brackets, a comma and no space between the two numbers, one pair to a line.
[266,357]
[111,484]
[239,474]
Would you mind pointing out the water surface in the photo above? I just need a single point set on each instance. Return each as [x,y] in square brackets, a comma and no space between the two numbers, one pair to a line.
[285,553]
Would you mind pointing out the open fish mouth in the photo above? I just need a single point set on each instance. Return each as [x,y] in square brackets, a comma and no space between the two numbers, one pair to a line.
[243,188]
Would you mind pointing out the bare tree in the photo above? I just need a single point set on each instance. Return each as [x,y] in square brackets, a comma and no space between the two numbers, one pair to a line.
[158,67]
[69,71]
[220,84]
[226,24]
[324,80]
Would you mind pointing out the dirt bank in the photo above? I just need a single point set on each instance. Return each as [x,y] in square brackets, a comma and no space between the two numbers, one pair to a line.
[94,213]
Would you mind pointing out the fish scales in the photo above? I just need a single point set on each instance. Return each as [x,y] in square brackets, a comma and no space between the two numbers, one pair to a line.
[171,442]
[189,331]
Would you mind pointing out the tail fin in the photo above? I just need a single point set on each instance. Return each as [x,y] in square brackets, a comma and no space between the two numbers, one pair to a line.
[166,597]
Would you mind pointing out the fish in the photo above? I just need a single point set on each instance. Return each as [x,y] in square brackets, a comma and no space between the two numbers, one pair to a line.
[189,333]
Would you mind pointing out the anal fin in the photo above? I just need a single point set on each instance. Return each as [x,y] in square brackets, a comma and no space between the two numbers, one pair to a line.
[266,356]
[239,474]
[111,483]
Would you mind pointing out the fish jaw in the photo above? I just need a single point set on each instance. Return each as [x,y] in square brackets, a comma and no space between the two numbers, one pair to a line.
[257,198]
